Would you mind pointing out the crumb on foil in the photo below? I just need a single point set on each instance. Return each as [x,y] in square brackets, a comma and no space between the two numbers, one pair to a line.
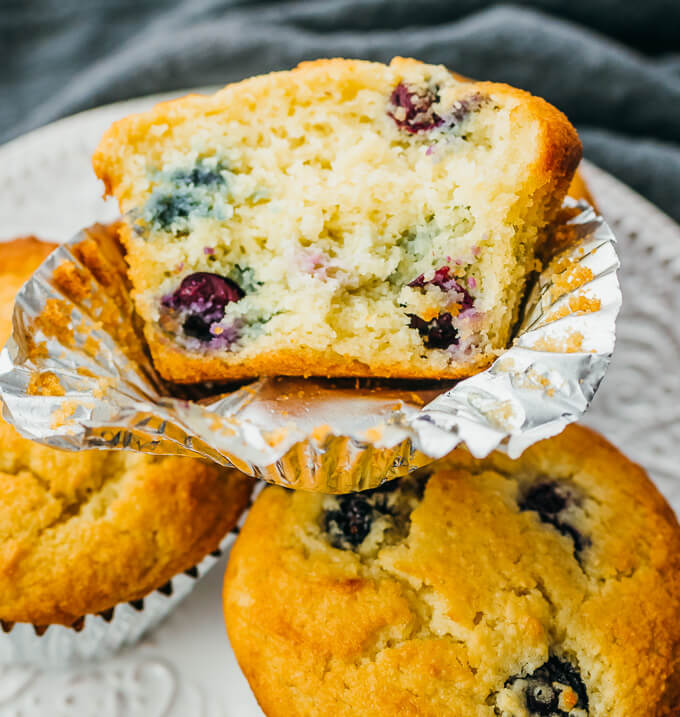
[63,414]
[74,281]
[45,383]
[569,274]
[103,385]
[54,321]
[572,342]
[578,304]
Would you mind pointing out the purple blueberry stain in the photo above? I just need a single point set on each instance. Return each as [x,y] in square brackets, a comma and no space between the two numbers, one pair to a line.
[208,250]
[201,299]
[411,108]
[444,280]
[315,263]
[461,109]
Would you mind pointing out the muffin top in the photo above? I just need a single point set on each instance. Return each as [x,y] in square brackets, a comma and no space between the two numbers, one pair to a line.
[83,531]
[549,585]
[19,259]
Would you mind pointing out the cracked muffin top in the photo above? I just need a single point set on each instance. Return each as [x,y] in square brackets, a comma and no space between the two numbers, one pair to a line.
[545,586]
[81,532]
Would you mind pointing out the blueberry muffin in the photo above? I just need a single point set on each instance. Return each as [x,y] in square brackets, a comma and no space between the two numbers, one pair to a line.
[547,586]
[345,218]
[19,258]
[82,532]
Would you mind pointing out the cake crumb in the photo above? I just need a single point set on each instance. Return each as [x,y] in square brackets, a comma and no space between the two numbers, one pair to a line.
[54,321]
[579,304]
[569,275]
[571,343]
[45,383]
[103,385]
[91,346]
[36,350]
[62,415]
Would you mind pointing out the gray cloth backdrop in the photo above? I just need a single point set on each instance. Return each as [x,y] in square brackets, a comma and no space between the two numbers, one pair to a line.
[612,65]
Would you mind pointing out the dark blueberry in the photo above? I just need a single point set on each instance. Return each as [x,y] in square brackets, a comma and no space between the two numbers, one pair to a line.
[438,333]
[198,328]
[416,113]
[202,298]
[446,282]
[351,523]
[547,683]
[549,499]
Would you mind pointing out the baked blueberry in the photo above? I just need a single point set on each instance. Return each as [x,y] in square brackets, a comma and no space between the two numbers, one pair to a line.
[201,299]
[438,333]
[349,525]
[411,108]
[553,690]
[348,519]
[550,499]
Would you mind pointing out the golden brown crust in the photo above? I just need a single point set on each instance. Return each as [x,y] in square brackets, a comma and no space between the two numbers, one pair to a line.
[180,366]
[81,532]
[437,623]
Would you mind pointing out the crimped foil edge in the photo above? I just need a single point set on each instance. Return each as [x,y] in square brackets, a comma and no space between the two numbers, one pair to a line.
[331,437]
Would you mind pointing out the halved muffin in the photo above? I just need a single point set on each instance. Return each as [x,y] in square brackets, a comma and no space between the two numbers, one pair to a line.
[346,218]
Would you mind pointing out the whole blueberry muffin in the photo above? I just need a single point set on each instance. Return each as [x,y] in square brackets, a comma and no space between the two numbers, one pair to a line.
[547,586]
[345,218]
[81,532]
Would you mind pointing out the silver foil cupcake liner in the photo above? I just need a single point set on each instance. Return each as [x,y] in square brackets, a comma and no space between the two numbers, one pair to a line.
[95,637]
[76,375]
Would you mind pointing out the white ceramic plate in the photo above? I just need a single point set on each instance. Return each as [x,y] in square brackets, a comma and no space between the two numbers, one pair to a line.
[186,667]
